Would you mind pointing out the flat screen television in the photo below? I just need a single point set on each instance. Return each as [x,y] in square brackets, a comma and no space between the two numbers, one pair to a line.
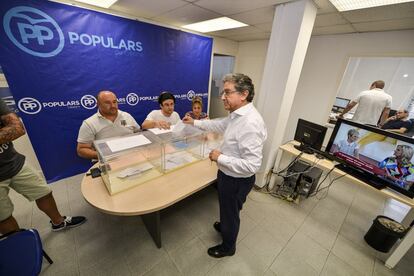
[310,136]
[378,157]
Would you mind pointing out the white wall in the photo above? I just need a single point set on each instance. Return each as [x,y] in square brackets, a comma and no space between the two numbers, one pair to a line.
[325,64]
[251,59]
[223,47]
[397,72]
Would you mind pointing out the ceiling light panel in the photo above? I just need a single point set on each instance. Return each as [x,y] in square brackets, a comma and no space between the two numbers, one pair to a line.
[222,23]
[348,5]
[99,3]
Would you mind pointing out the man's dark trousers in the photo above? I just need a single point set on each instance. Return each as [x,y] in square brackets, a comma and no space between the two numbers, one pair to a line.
[232,194]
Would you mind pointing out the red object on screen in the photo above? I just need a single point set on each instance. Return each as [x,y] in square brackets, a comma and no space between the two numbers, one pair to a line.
[359,163]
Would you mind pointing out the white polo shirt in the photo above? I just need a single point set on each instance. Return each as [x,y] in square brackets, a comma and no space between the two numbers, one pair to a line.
[98,127]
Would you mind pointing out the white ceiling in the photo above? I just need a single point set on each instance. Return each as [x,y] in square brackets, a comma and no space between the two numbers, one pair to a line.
[259,15]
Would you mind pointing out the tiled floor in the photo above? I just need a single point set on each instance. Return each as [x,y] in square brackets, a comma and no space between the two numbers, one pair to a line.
[316,237]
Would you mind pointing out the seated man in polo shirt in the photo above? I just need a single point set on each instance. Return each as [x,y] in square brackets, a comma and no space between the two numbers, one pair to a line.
[166,116]
[398,123]
[108,122]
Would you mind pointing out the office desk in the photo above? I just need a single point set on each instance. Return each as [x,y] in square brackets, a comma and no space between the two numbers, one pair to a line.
[149,198]
[325,164]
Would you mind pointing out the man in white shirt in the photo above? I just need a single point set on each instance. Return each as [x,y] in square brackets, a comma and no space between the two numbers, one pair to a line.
[349,146]
[108,122]
[373,105]
[166,116]
[239,157]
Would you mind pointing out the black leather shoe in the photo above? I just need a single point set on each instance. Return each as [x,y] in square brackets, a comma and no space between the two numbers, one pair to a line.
[216,226]
[218,252]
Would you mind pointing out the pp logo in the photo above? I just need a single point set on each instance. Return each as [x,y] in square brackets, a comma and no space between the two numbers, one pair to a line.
[190,95]
[132,99]
[88,102]
[33,31]
[29,106]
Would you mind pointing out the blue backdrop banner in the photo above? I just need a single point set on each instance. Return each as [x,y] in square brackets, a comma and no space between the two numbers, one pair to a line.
[57,57]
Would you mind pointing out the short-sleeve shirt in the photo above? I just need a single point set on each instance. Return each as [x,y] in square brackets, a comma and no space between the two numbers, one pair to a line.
[156,115]
[98,127]
[397,124]
[11,162]
[371,103]
[202,116]
[347,148]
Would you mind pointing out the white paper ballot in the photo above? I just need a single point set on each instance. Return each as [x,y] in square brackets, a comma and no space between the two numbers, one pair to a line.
[178,127]
[158,131]
[128,142]
[134,170]
[178,159]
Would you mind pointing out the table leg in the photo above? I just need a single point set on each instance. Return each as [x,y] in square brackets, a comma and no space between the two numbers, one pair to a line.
[153,224]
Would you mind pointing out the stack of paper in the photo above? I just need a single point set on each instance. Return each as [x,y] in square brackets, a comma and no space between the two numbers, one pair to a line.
[127,142]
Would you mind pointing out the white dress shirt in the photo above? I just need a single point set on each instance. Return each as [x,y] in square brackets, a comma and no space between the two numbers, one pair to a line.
[244,136]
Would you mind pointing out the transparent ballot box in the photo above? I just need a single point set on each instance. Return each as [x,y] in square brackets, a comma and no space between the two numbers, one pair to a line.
[129,160]
[182,145]
[212,140]
[134,159]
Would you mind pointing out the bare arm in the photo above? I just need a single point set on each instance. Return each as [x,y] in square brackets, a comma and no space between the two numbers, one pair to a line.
[148,124]
[86,151]
[152,123]
[347,108]
[384,115]
[399,130]
[12,129]
[387,120]
[356,153]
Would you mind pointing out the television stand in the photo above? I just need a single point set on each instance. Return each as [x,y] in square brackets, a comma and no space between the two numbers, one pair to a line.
[304,149]
[364,176]
[285,154]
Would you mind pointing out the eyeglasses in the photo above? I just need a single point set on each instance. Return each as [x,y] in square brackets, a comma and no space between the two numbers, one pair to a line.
[227,93]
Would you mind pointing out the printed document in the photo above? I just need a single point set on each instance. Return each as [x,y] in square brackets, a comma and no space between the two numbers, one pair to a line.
[128,142]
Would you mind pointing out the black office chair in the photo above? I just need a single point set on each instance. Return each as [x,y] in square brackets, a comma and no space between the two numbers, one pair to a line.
[410,131]
[21,253]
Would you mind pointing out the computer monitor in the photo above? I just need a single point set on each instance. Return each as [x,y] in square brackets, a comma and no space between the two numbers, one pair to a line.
[310,136]
[340,104]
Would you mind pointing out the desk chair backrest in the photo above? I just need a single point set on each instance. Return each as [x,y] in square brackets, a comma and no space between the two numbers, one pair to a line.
[410,131]
[21,253]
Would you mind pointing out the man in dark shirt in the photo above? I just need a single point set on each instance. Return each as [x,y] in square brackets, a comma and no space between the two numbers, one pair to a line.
[398,123]
[16,174]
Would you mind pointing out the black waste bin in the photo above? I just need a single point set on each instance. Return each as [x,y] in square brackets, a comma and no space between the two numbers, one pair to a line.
[384,233]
